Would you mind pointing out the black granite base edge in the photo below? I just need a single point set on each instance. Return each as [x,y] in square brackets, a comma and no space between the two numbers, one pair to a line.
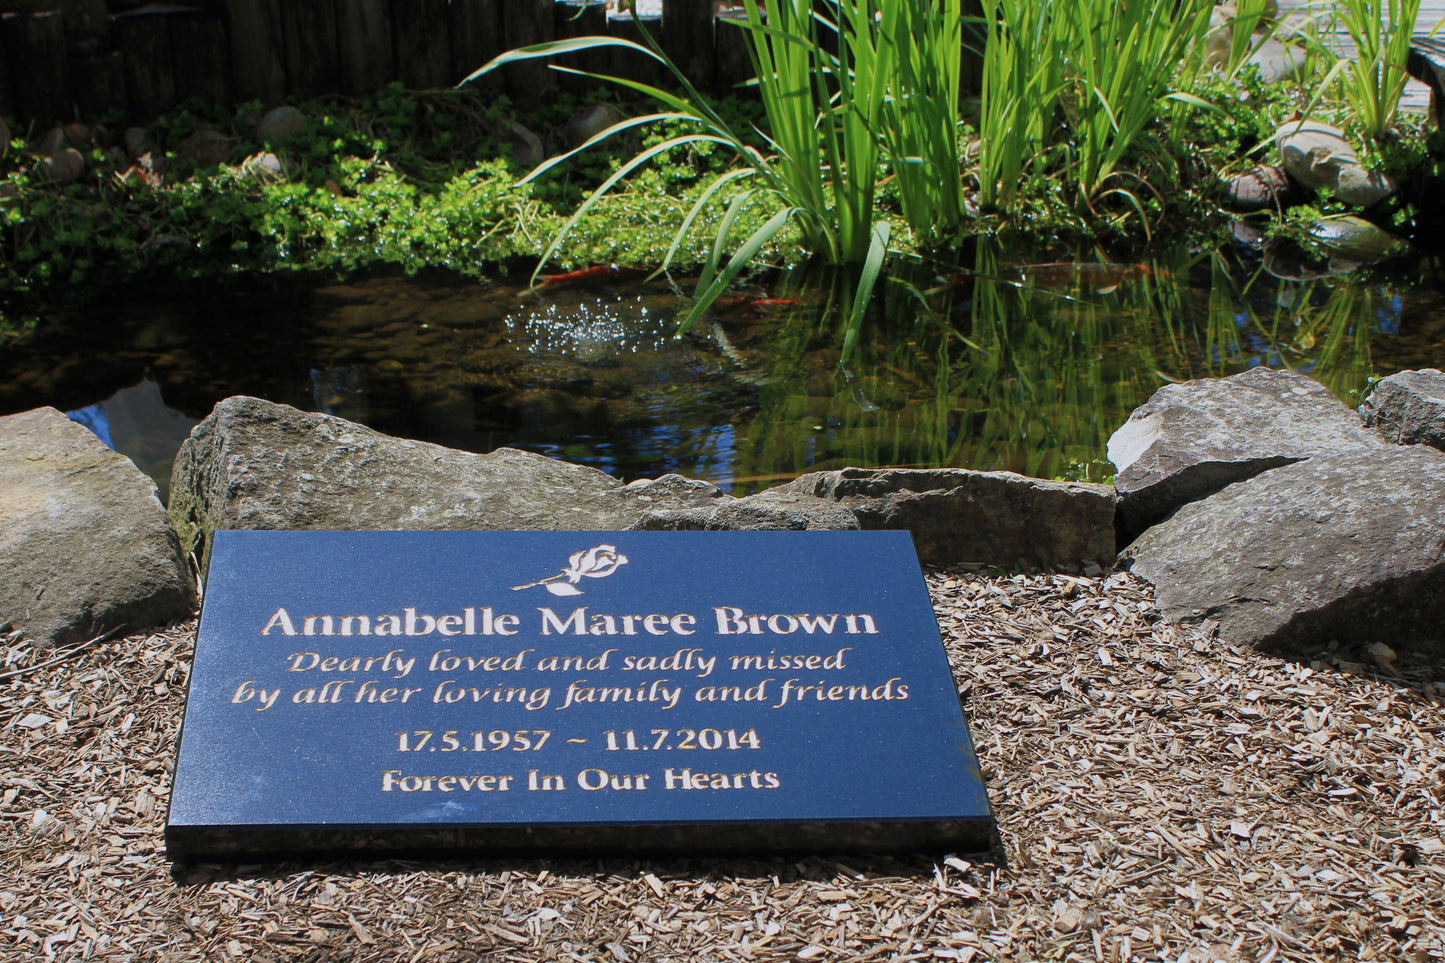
[186,844]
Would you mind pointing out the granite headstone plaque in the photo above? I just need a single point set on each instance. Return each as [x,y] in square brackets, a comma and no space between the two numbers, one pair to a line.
[379,692]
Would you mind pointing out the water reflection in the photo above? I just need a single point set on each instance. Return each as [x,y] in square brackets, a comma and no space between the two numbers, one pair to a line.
[137,422]
[1006,361]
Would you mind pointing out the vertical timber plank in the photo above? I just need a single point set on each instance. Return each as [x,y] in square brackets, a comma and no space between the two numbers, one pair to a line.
[7,92]
[258,70]
[423,55]
[687,38]
[527,22]
[145,40]
[99,84]
[731,63]
[630,63]
[87,22]
[313,65]
[582,18]
[476,37]
[364,39]
[35,48]
[202,60]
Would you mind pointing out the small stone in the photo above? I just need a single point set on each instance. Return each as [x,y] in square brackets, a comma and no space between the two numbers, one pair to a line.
[1261,188]
[65,167]
[1277,62]
[589,122]
[78,136]
[137,141]
[264,167]
[1408,408]
[526,148]
[1319,157]
[1356,239]
[280,125]
[49,142]
[206,148]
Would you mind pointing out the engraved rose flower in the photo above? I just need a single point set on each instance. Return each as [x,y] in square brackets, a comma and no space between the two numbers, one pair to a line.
[596,562]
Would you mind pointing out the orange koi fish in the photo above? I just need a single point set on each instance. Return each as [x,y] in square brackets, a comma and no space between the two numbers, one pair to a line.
[589,275]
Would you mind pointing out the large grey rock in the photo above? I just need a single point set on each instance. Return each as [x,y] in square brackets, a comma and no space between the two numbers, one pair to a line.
[1347,545]
[1318,156]
[774,511]
[1192,439]
[957,515]
[84,542]
[1278,61]
[254,464]
[1408,408]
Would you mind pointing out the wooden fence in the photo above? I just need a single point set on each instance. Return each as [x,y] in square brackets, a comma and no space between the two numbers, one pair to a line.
[79,59]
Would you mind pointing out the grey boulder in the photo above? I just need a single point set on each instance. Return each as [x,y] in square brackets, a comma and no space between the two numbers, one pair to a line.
[254,464]
[1192,439]
[957,515]
[1347,546]
[85,547]
[1408,408]
[1319,157]
[775,511]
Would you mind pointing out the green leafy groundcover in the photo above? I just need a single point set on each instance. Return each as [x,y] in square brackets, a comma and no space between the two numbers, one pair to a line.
[404,179]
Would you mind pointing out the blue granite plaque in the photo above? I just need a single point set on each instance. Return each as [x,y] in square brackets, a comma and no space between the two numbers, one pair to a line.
[379,692]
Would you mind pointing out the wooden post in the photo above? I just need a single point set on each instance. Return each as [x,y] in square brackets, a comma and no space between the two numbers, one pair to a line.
[35,48]
[423,53]
[144,38]
[7,93]
[99,84]
[582,18]
[313,64]
[258,69]
[731,65]
[87,24]
[476,35]
[527,22]
[202,60]
[364,36]
[687,38]
[630,63]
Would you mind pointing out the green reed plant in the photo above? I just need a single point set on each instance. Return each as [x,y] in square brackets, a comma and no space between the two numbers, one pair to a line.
[1122,58]
[921,122]
[853,90]
[1372,83]
[1086,79]
[1249,15]
[1023,77]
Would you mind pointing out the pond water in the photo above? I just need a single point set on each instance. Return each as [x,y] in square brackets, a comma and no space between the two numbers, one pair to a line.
[1009,361]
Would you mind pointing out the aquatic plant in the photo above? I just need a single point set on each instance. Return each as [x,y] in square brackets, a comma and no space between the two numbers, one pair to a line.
[1372,82]
[1075,87]
[854,92]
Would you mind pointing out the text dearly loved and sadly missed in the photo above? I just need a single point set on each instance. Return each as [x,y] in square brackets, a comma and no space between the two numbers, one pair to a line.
[385,692]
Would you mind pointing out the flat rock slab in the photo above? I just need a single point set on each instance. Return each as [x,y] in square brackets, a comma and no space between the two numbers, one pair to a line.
[1346,546]
[1192,439]
[1408,408]
[254,464]
[85,546]
[770,511]
[958,515]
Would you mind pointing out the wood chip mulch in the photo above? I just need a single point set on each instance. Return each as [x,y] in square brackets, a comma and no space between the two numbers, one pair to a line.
[1160,795]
